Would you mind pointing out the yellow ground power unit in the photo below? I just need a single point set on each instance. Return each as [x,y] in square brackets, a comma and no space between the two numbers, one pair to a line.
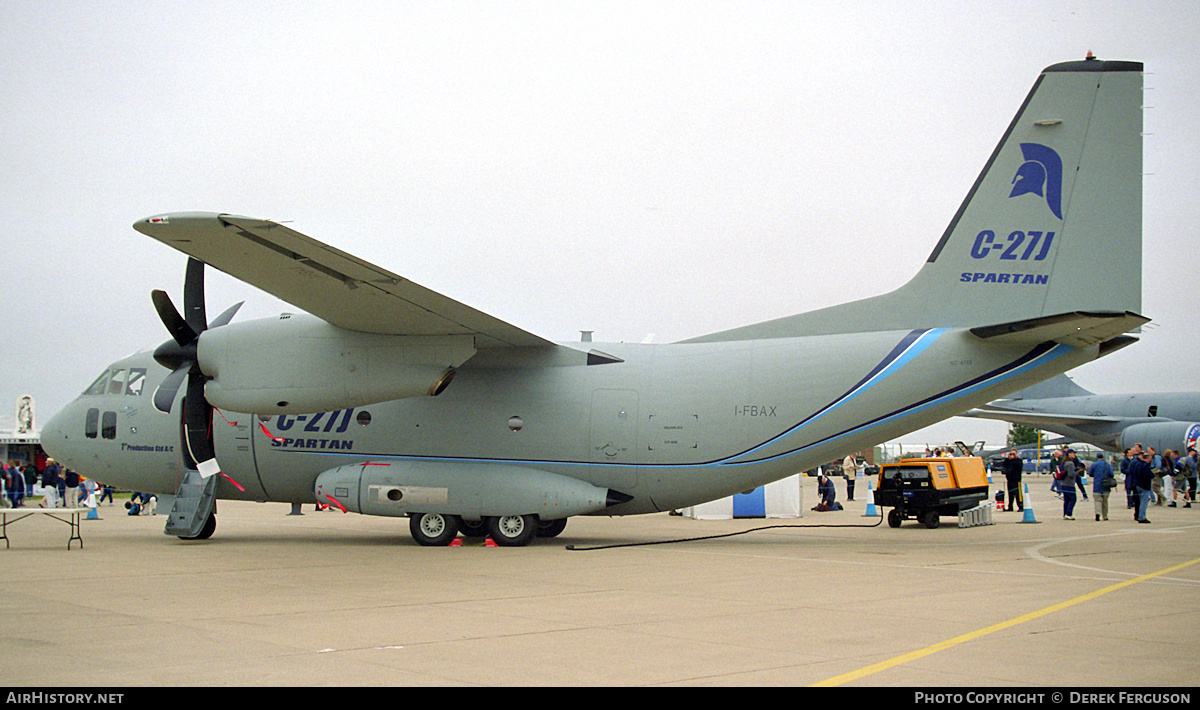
[926,489]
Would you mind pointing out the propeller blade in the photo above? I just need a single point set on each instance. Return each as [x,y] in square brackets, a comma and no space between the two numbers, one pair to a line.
[185,330]
[179,329]
[164,396]
[197,418]
[226,315]
[193,296]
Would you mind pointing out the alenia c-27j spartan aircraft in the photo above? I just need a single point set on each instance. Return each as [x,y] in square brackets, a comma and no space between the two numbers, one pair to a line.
[395,400]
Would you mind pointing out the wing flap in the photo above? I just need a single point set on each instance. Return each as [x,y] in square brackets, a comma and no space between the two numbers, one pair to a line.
[326,282]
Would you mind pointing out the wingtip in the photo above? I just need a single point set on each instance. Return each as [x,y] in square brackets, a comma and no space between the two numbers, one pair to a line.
[155,225]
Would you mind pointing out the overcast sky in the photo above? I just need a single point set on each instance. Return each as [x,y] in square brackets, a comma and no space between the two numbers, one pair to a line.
[641,169]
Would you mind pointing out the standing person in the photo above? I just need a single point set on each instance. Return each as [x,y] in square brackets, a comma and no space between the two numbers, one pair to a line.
[1189,471]
[1103,481]
[1168,477]
[1171,467]
[7,477]
[848,470]
[1131,455]
[70,489]
[50,484]
[16,483]
[1013,467]
[30,472]
[1143,481]
[1071,470]
[1056,466]
[1156,469]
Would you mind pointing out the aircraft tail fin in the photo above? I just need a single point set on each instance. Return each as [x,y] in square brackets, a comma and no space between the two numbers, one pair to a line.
[1052,225]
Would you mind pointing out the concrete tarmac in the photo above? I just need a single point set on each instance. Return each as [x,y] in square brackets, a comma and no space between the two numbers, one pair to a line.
[330,599]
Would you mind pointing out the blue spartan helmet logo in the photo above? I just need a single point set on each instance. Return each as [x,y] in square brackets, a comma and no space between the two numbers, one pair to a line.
[1041,174]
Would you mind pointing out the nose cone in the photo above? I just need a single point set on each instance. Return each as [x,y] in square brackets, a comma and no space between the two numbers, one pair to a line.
[56,437]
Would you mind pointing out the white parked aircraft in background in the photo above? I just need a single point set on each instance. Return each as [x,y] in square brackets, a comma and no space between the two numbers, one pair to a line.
[386,398]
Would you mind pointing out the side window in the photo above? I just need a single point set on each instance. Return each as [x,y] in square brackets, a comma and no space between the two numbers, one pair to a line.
[92,426]
[100,385]
[109,430]
[116,384]
[137,380]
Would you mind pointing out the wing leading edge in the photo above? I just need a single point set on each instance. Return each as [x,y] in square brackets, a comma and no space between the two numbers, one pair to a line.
[335,286]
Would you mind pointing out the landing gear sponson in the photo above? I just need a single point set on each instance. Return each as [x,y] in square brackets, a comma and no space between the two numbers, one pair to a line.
[511,504]
[440,529]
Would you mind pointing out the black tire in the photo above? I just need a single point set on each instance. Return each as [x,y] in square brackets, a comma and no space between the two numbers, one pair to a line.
[210,527]
[551,528]
[931,519]
[512,530]
[433,529]
[894,518]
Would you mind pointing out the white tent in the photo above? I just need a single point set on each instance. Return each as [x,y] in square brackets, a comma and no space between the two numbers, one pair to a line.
[781,499]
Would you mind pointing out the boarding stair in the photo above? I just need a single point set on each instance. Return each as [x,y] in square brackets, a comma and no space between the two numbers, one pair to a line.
[193,504]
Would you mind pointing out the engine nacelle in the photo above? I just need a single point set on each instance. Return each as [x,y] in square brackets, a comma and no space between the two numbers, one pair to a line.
[1177,436]
[297,364]
[472,490]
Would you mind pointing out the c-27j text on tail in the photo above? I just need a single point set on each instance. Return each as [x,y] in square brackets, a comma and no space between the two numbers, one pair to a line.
[386,398]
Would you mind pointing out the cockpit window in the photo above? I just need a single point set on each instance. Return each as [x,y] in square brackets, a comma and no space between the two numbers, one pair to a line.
[116,383]
[137,380]
[100,386]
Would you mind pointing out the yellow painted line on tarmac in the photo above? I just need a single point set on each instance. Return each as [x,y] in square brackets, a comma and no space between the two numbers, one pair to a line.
[950,643]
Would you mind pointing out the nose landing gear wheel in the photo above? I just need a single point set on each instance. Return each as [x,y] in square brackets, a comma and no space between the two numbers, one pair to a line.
[210,526]
[433,529]
[512,530]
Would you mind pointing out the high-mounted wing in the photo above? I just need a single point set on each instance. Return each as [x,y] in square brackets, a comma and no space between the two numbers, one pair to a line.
[326,282]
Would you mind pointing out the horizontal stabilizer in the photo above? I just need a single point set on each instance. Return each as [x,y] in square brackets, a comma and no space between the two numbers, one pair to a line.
[1042,420]
[1077,329]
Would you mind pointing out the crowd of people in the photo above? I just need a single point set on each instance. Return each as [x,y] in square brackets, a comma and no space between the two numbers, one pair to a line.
[59,486]
[1149,478]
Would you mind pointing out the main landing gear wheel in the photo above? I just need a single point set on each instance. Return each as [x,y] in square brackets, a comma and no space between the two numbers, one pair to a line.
[551,528]
[433,529]
[512,530]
